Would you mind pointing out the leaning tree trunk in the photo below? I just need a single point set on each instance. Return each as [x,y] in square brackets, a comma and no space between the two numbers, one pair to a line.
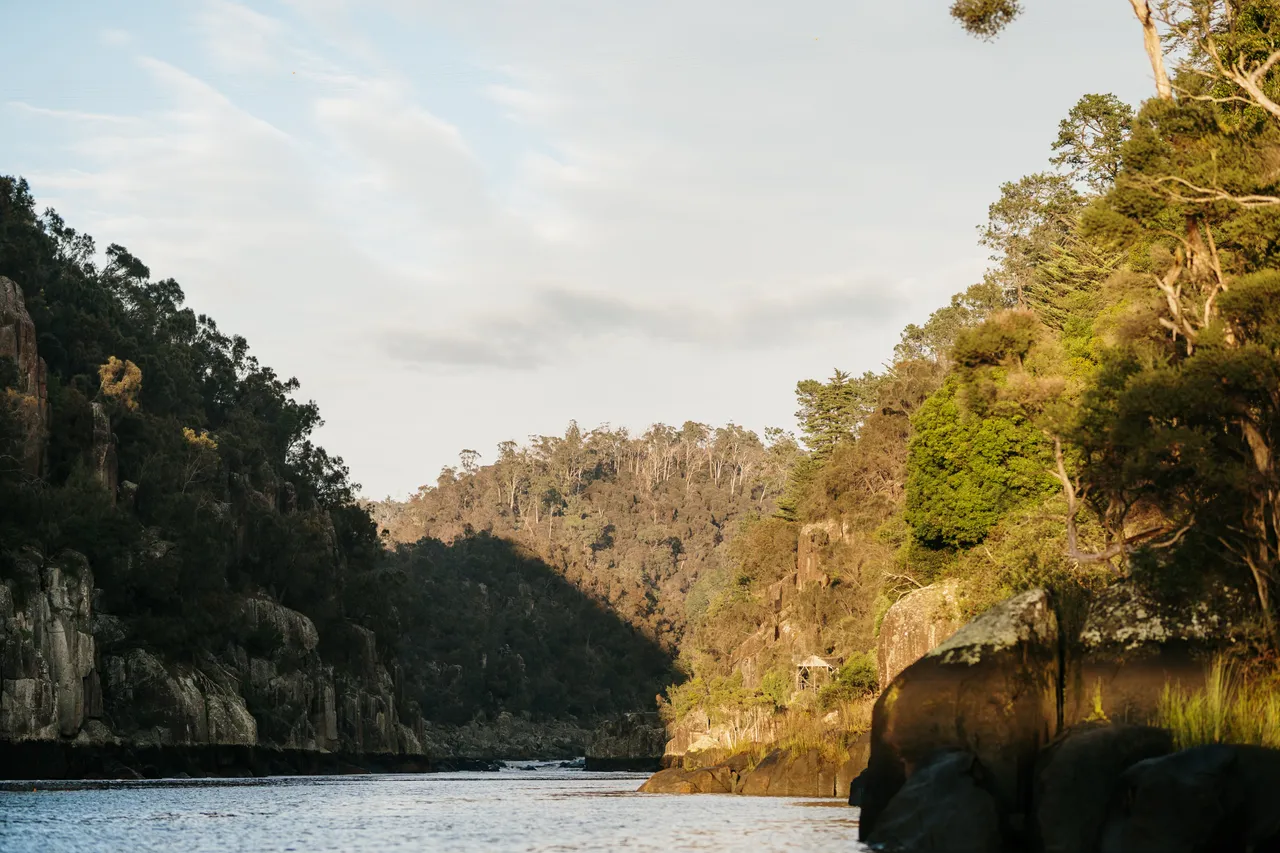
[1151,41]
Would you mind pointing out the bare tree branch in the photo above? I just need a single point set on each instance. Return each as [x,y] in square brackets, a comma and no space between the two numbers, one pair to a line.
[1071,489]
[1203,195]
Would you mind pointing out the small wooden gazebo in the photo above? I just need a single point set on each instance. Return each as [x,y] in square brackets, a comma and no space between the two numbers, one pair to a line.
[812,672]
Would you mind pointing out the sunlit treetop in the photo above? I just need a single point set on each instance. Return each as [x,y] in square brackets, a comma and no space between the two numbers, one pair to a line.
[985,18]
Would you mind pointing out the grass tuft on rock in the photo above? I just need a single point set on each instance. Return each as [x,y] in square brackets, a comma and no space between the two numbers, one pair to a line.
[1235,707]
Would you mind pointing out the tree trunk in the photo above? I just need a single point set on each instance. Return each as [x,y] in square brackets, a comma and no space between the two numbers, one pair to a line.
[1151,41]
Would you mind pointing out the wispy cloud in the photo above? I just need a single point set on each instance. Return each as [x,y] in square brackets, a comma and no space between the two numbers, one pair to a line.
[555,321]
[70,115]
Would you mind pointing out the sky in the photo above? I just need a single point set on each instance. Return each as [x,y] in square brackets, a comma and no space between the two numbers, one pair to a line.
[464,222]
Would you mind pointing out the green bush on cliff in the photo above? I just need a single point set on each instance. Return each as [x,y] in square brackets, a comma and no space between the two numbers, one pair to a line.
[966,471]
[857,677]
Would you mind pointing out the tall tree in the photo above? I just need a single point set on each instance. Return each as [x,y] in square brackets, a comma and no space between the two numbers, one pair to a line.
[833,411]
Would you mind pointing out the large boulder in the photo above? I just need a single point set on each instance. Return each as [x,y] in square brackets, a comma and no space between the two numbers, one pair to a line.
[849,774]
[945,807]
[704,780]
[781,773]
[990,690]
[1132,646]
[30,395]
[784,773]
[1077,777]
[916,623]
[1211,799]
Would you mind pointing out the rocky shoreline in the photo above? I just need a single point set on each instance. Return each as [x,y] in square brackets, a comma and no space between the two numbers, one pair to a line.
[779,773]
[1018,735]
[1018,732]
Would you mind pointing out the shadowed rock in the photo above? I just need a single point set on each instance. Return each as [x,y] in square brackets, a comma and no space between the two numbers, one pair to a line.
[30,394]
[945,807]
[1211,799]
[991,690]
[1078,776]
[1132,646]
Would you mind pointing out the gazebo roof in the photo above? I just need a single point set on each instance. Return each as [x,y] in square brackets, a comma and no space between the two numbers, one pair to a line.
[813,661]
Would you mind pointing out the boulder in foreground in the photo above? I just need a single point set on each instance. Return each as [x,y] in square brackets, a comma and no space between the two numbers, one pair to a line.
[991,691]
[1210,799]
[945,807]
[1077,777]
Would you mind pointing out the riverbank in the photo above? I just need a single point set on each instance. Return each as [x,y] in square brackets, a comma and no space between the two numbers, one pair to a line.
[630,742]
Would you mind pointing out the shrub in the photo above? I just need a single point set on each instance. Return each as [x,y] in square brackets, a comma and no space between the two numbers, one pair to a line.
[857,678]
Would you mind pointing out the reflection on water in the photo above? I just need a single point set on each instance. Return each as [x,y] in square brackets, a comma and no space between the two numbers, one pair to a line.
[547,809]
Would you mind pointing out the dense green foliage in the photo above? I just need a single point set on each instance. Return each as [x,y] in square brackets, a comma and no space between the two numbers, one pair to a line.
[210,444]
[967,471]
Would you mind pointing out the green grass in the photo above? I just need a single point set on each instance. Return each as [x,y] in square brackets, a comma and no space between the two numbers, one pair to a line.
[1234,707]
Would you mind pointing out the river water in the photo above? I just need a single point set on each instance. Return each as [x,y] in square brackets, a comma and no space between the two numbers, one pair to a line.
[543,809]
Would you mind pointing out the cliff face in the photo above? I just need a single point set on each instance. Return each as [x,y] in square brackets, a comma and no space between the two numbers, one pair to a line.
[49,685]
[69,674]
[56,685]
[18,345]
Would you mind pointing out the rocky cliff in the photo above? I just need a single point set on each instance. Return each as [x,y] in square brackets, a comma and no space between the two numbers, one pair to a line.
[71,675]
[30,388]
[58,687]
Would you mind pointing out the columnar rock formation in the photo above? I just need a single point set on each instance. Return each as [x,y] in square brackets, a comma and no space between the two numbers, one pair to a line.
[49,687]
[56,684]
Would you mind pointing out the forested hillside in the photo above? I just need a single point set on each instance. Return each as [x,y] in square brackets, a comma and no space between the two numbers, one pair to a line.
[638,523]
[1105,404]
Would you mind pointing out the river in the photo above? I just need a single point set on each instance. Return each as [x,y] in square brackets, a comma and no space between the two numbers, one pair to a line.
[543,809]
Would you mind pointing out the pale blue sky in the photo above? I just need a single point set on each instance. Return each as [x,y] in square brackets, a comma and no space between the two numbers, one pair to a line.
[461,222]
